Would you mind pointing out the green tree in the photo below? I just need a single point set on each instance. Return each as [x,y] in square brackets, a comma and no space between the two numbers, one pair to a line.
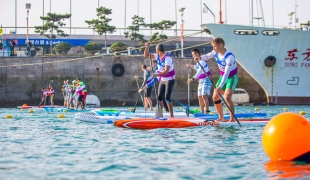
[156,37]
[118,46]
[52,23]
[92,47]
[162,25]
[134,29]
[101,25]
[62,48]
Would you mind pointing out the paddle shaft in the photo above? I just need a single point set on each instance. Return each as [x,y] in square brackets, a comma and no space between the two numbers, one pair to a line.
[188,94]
[158,111]
[138,89]
[219,93]
[134,109]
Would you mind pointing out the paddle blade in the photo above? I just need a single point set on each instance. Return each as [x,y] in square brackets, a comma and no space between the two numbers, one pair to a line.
[159,111]
[187,112]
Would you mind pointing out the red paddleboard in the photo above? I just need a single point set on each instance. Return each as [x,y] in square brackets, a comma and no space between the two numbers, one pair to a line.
[151,123]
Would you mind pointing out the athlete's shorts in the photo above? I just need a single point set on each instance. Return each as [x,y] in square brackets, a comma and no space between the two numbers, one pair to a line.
[52,96]
[204,87]
[148,92]
[85,94]
[165,89]
[231,82]
[80,98]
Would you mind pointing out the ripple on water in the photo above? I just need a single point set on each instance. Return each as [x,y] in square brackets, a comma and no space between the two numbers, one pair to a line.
[40,145]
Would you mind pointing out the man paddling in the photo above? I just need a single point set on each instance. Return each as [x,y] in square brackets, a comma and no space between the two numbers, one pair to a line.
[147,77]
[152,82]
[166,74]
[204,84]
[228,79]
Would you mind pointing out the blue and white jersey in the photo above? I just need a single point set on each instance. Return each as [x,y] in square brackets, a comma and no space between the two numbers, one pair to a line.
[161,63]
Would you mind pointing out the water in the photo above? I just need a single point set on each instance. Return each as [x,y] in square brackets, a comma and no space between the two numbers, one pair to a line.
[41,146]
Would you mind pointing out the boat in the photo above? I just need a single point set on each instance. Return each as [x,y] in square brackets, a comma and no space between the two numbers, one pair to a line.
[152,123]
[277,58]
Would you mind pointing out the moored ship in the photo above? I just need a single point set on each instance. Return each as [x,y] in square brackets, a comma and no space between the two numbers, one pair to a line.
[277,58]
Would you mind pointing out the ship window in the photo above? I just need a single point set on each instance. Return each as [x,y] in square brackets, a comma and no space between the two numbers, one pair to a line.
[270,32]
[246,32]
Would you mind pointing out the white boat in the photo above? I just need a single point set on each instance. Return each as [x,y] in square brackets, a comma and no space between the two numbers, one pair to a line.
[278,59]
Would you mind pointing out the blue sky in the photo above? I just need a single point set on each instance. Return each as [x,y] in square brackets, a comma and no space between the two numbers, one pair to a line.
[236,12]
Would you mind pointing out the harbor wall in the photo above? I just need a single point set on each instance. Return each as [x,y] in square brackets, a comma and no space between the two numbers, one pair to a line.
[23,78]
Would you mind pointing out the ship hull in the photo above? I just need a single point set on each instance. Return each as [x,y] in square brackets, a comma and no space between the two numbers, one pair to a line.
[278,59]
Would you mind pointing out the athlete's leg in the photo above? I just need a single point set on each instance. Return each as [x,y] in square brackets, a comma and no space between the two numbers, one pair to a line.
[165,104]
[52,100]
[201,104]
[161,93]
[168,93]
[206,103]
[148,98]
[218,104]
[150,103]
[227,96]
[146,103]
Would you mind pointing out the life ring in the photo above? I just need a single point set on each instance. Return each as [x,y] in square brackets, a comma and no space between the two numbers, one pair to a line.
[118,70]
[270,61]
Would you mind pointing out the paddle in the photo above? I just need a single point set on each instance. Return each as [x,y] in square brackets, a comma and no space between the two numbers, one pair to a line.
[139,93]
[43,100]
[134,109]
[218,93]
[191,111]
[188,95]
[159,110]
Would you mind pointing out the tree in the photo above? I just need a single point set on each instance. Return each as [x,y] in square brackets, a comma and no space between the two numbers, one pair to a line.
[62,48]
[164,24]
[101,25]
[133,32]
[92,47]
[53,22]
[157,38]
[118,46]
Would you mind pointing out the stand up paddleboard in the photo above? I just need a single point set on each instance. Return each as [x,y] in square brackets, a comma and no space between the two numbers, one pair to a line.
[151,123]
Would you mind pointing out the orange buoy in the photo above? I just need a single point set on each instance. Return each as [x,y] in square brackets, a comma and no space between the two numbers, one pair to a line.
[25,105]
[287,137]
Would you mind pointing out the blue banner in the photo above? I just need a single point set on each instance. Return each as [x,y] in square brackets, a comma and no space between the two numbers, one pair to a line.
[46,42]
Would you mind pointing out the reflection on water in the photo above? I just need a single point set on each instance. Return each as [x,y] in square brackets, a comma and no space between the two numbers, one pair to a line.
[287,169]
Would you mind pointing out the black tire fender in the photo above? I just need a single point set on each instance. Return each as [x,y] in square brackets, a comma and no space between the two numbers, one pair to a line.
[118,70]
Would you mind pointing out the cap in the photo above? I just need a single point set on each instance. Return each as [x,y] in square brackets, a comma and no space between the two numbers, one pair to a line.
[78,79]
[74,81]
[68,81]
[50,85]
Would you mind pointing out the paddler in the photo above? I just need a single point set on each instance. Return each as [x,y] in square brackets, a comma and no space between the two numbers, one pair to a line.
[204,84]
[147,77]
[165,73]
[228,79]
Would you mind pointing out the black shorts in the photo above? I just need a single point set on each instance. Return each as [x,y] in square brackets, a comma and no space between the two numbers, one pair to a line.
[148,92]
[80,97]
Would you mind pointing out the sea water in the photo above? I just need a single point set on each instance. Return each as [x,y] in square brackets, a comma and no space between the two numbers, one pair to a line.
[40,145]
